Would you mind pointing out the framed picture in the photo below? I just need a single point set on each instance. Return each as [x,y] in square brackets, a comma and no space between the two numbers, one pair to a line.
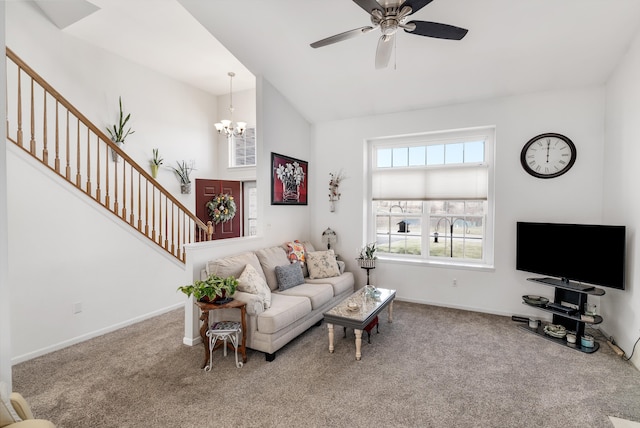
[289,177]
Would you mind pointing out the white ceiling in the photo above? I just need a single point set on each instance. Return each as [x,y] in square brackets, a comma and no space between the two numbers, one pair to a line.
[513,47]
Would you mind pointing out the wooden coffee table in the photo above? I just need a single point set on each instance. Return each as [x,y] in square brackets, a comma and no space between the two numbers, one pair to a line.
[368,308]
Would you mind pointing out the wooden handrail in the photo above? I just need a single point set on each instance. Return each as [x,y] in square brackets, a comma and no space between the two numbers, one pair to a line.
[125,190]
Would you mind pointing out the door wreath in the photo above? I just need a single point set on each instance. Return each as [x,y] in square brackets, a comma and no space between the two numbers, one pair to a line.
[222,208]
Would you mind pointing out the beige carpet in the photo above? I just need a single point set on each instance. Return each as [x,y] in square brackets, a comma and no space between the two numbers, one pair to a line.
[431,367]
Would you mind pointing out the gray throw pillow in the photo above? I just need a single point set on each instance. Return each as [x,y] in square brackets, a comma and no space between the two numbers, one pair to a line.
[289,276]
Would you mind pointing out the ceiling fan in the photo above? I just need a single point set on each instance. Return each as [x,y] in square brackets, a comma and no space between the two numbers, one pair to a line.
[389,16]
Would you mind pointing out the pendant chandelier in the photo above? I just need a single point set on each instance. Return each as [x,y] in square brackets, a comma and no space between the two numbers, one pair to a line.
[227,126]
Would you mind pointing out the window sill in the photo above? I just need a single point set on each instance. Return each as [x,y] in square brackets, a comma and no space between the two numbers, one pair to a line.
[436,264]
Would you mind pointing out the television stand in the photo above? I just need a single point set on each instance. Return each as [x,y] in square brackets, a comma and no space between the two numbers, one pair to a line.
[573,294]
[567,285]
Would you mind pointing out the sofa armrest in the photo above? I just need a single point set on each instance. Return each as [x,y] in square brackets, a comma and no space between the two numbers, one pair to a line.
[255,305]
[21,406]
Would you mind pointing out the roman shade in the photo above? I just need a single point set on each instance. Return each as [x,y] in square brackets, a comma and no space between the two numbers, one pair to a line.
[464,182]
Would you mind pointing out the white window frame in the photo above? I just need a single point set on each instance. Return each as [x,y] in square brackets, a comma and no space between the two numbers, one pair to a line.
[433,138]
[250,135]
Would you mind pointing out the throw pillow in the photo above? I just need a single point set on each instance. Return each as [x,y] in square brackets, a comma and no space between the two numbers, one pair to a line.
[322,264]
[289,275]
[296,251]
[251,282]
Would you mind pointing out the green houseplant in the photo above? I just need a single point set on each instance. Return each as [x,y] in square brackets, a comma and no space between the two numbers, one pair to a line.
[117,132]
[211,289]
[367,257]
[183,171]
[156,161]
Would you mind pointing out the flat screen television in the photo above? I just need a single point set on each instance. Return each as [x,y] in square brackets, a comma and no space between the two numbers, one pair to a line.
[574,253]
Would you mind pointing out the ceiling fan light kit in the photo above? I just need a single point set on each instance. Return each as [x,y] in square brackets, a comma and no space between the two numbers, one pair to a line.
[389,18]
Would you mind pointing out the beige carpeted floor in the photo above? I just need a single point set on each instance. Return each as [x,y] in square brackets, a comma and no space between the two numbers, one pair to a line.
[431,367]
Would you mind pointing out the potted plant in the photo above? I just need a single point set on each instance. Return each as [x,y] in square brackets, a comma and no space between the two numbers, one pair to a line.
[182,172]
[117,132]
[212,289]
[155,163]
[367,257]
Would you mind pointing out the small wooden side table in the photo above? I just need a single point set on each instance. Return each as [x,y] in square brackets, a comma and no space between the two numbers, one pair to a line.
[204,317]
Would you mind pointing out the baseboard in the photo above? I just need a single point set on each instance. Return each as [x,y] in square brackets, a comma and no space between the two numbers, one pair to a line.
[39,352]
[191,342]
[461,307]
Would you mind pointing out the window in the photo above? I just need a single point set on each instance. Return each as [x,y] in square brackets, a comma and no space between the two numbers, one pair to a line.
[242,149]
[430,197]
[250,208]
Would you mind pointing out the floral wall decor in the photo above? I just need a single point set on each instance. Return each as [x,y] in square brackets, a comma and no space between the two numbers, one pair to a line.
[222,208]
[334,189]
[288,180]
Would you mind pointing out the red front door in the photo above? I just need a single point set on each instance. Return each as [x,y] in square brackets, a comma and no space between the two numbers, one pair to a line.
[206,190]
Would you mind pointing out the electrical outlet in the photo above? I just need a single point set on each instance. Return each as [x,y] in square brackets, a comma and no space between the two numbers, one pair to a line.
[77,308]
[455,282]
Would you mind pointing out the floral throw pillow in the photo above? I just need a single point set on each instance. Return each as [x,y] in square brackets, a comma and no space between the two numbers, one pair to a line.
[251,282]
[322,264]
[296,251]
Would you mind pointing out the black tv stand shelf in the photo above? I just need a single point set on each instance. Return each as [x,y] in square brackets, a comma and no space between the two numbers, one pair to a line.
[575,295]
[568,285]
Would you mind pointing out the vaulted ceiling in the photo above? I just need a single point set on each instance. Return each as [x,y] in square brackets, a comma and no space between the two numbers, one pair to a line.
[513,47]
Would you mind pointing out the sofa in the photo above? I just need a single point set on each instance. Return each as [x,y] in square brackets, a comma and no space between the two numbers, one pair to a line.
[16,413]
[286,288]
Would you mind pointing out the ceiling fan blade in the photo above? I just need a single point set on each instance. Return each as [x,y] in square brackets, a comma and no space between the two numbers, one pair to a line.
[437,30]
[415,5]
[342,36]
[383,52]
[368,5]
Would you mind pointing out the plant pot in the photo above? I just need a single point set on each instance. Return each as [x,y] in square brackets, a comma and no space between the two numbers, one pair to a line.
[185,188]
[114,155]
[216,298]
[367,263]
[154,171]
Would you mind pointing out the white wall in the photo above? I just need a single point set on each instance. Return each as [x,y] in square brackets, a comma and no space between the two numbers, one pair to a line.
[64,249]
[165,113]
[621,204]
[575,196]
[5,289]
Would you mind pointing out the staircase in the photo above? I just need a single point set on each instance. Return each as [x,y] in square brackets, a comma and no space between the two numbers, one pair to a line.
[51,130]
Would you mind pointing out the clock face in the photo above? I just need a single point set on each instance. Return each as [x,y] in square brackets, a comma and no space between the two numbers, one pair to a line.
[548,155]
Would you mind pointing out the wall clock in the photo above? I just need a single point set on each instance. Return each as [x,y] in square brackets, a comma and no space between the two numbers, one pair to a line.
[548,155]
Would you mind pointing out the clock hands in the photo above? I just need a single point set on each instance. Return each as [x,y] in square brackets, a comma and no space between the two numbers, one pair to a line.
[548,144]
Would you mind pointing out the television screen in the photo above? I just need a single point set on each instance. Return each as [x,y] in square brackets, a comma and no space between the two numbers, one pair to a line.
[584,253]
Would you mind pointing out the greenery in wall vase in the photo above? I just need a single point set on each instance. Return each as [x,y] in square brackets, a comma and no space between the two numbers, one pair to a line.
[183,171]
[156,161]
[117,132]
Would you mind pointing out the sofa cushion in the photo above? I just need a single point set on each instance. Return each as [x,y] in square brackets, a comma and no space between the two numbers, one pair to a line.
[270,258]
[340,284]
[318,294]
[322,264]
[284,311]
[234,265]
[289,275]
[251,282]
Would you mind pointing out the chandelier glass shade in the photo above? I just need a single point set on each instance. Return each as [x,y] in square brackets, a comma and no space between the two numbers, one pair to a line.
[227,126]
